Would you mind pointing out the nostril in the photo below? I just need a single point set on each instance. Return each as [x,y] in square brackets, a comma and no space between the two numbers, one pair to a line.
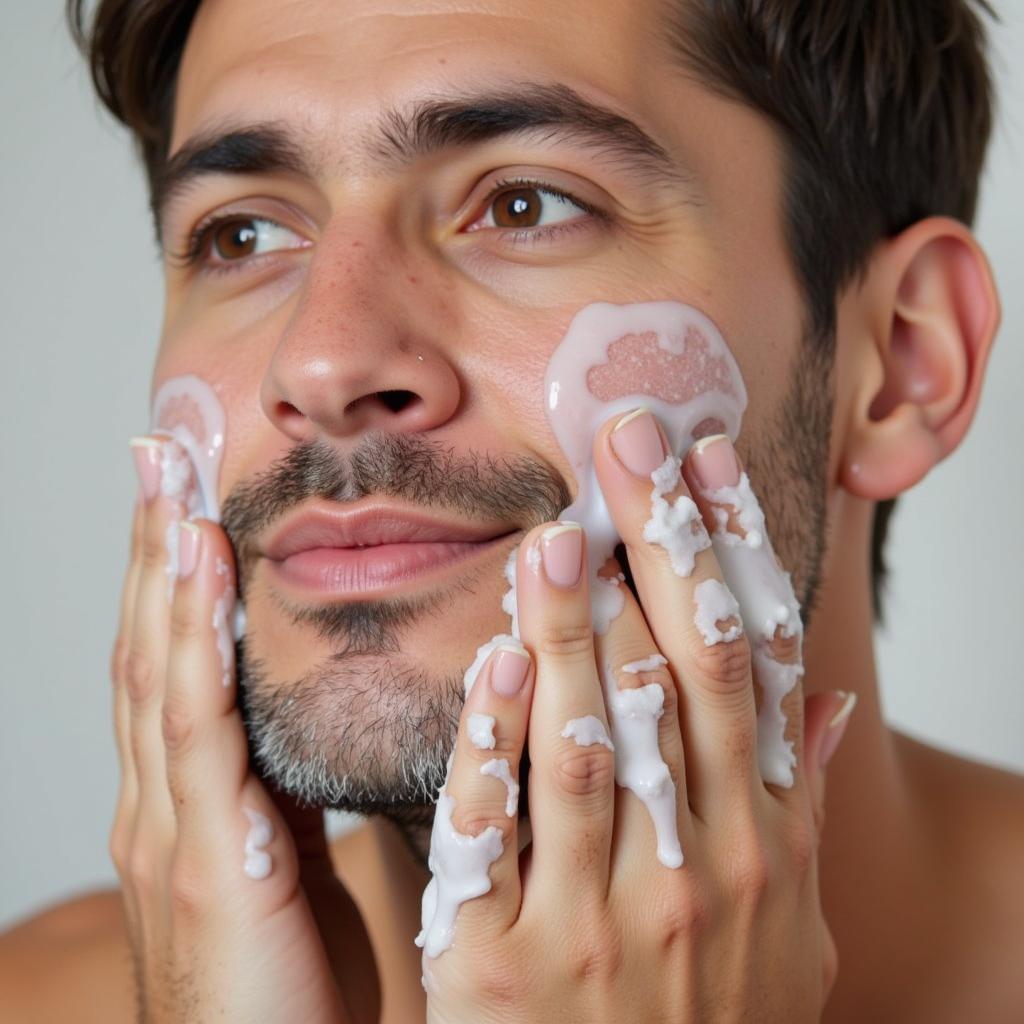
[396,401]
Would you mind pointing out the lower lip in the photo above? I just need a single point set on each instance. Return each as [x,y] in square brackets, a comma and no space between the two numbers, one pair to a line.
[373,569]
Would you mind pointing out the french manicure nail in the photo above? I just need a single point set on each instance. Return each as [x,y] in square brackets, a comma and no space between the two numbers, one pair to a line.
[714,463]
[508,670]
[836,728]
[146,453]
[561,549]
[190,538]
[637,442]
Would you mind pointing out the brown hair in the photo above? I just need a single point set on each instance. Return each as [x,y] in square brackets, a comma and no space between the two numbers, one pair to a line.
[884,107]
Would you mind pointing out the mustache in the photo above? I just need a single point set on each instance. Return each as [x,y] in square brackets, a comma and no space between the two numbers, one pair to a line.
[516,489]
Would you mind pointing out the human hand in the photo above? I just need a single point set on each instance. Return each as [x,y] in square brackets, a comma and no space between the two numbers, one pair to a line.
[233,908]
[590,923]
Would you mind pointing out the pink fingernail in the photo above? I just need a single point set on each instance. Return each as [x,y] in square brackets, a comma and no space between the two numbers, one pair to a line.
[714,463]
[836,729]
[146,453]
[190,538]
[561,549]
[508,670]
[637,442]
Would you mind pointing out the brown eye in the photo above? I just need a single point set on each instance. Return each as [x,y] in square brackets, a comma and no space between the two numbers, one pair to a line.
[520,208]
[529,207]
[235,239]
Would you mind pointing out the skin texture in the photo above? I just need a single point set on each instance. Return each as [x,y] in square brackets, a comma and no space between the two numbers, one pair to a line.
[386,270]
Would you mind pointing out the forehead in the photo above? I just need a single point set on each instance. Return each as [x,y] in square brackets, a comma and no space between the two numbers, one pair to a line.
[332,65]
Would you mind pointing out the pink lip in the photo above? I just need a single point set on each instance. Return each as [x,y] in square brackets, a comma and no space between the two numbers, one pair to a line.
[373,548]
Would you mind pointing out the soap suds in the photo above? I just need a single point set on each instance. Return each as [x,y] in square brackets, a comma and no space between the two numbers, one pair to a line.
[587,732]
[459,866]
[648,664]
[481,731]
[639,766]
[222,618]
[498,768]
[715,603]
[258,863]
[678,527]
[769,608]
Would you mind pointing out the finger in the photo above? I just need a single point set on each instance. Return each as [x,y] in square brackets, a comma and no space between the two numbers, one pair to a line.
[825,719]
[652,819]
[674,568]
[481,800]
[572,769]
[768,606]
[228,827]
[119,660]
[159,462]
[128,790]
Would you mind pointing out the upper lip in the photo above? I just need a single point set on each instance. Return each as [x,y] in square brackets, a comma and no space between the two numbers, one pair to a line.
[328,526]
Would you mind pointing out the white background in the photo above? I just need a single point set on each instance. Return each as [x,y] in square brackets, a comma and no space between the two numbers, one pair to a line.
[79,318]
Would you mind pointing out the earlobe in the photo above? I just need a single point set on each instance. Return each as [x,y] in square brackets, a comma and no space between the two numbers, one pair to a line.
[936,311]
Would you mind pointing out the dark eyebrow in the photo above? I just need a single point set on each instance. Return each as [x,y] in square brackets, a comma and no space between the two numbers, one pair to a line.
[428,126]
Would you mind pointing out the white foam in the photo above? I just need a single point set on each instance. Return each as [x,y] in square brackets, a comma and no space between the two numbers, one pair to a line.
[677,527]
[481,731]
[715,603]
[587,732]
[498,768]
[639,766]
[258,863]
[764,592]
[648,664]
[222,617]
[459,866]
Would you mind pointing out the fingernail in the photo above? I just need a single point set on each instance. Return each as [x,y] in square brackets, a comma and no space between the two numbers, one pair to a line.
[836,728]
[508,670]
[190,537]
[637,442]
[714,463]
[146,453]
[561,548]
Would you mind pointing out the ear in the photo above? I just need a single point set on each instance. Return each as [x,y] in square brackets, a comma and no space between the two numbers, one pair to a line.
[934,314]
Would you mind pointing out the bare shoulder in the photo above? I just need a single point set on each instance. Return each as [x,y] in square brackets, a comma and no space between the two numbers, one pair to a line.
[70,961]
[976,828]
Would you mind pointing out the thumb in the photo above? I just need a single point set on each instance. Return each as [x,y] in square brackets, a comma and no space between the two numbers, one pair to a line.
[826,716]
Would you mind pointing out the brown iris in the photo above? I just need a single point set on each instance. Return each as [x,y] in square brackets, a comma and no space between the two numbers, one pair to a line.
[235,239]
[519,208]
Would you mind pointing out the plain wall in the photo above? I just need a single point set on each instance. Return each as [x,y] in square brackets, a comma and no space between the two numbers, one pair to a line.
[79,318]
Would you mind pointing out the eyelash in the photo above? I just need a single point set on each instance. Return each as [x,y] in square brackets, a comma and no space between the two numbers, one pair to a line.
[201,235]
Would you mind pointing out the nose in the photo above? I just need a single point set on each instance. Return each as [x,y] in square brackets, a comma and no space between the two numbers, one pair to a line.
[361,351]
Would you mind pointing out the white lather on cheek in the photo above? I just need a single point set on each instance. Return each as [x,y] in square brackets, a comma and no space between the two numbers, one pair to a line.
[769,608]
[257,861]
[665,356]
[715,603]
[587,732]
[187,409]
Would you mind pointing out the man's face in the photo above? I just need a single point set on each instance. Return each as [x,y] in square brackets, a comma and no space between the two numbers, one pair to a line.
[386,313]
